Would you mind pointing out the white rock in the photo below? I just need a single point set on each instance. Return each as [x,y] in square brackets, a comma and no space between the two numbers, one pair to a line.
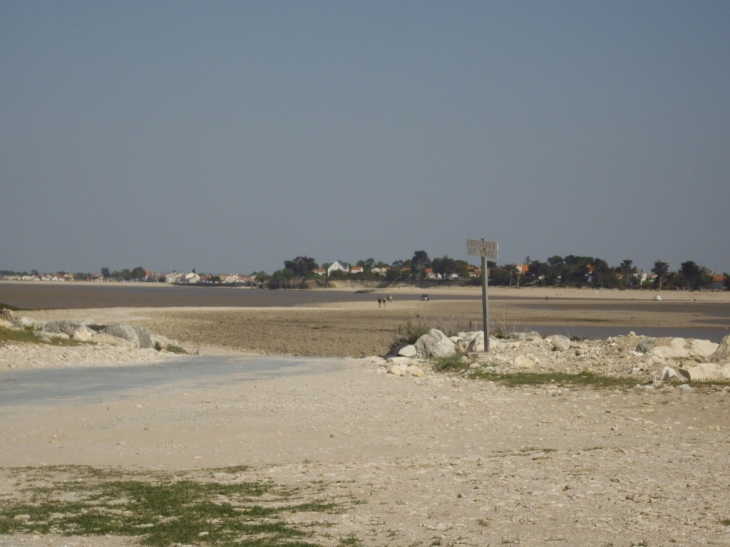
[561,343]
[675,348]
[407,351]
[399,361]
[397,370]
[523,362]
[722,353]
[703,348]
[658,298]
[668,373]
[706,371]
[108,339]
[413,370]
[124,331]
[434,344]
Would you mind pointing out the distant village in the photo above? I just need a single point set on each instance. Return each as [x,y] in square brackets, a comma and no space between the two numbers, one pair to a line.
[305,272]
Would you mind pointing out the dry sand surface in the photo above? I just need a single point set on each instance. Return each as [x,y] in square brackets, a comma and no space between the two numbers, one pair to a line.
[361,328]
[435,460]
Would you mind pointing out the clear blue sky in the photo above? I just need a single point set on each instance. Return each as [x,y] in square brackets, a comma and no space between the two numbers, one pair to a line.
[229,136]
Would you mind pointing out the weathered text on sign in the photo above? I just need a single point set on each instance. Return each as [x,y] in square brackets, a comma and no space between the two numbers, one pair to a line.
[482,247]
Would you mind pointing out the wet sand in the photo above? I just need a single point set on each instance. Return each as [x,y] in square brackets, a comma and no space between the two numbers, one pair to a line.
[356,328]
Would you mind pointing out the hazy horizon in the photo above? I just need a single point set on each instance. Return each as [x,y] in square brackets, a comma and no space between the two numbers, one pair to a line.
[229,137]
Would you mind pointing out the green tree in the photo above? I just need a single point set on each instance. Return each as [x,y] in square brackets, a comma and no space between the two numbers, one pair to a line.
[726,281]
[301,265]
[661,270]
[138,273]
[628,269]
[105,272]
[689,272]
[420,262]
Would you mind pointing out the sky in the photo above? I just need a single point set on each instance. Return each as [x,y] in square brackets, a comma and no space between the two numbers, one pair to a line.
[231,136]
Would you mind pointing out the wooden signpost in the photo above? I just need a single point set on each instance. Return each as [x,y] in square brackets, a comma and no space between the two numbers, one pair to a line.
[485,249]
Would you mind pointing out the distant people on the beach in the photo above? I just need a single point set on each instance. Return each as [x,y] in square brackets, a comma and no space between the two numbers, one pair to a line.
[380,301]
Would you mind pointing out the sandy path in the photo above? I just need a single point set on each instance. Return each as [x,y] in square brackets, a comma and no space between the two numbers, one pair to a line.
[434,459]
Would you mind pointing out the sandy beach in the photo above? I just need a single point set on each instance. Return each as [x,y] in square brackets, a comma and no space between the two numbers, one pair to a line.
[437,459]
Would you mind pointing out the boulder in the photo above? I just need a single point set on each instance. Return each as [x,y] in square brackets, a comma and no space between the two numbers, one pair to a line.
[461,345]
[722,353]
[407,351]
[414,371]
[703,348]
[397,370]
[405,361]
[45,334]
[561,343]
[434,344]
[66,327]
[124,331]
[82,334]
[145,337]
[8,315]
[705,372]
[523,362]
[108,339]
[668,373]
[470,336]
[646,345]
[671,348]
[477,343]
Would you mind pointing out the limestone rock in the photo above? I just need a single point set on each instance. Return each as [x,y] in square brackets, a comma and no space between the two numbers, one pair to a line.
[413,370]
[523,362]
[706,371]
[145,337]
[397,370]
[108,339]
[124,331]
[722,353]
[561,343]
[646,345]
[407,351]
[66,327]
[82,334]
[434,344]
[461,345]
[668,373]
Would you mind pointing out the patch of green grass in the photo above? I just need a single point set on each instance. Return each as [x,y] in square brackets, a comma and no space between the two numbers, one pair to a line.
[175,349]
[585,378]
[162,509]
[725,522]
[450,363]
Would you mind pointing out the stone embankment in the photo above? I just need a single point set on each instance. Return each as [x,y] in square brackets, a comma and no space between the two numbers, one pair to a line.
[98,345]
[646,359]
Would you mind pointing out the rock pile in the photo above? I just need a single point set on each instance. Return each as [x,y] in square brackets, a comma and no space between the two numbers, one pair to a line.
[647,359]
[119,343]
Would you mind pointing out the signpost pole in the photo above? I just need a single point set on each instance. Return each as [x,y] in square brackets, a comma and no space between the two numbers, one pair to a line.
[485,249]
[485,304]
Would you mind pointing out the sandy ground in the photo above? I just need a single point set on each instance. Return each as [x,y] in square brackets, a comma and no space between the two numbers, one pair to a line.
[435,460]
[358,329]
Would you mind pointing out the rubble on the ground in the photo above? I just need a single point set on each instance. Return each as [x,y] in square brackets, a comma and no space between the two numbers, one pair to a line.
[645,358]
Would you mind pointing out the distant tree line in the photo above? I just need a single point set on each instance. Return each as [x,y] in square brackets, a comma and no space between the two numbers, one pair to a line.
[556,271]
[136,274]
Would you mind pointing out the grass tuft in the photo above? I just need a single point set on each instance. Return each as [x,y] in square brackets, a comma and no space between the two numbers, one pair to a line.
[451,363]
[175,349]
[585,378]
[163,509]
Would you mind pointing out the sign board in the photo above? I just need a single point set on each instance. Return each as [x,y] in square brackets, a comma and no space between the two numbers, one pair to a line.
[482,247]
